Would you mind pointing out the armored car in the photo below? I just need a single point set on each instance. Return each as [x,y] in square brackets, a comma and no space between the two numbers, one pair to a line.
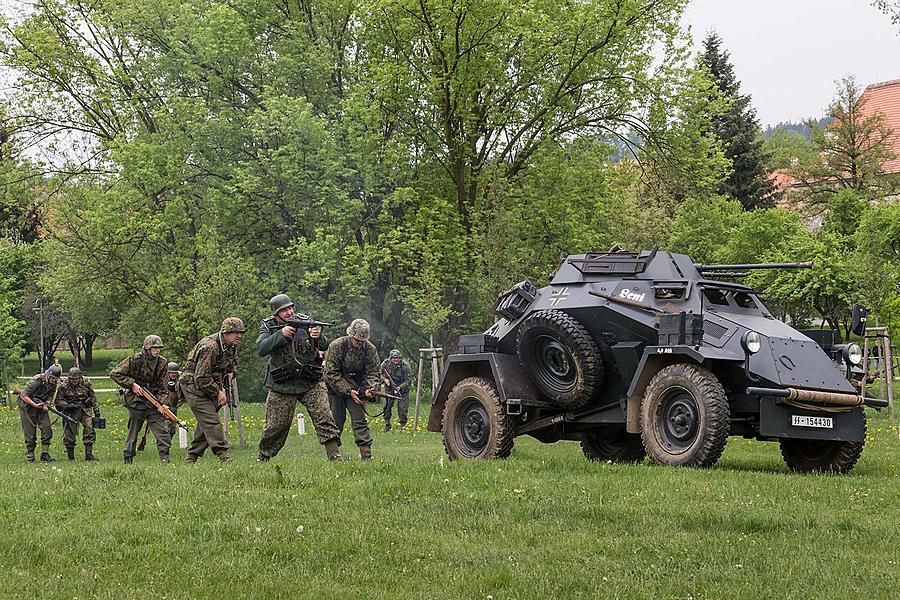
[647,354]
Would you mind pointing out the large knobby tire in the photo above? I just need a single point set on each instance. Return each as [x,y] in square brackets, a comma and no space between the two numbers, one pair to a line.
[684,417]
[820,456]
[475,423]
[561,358]
[613,444]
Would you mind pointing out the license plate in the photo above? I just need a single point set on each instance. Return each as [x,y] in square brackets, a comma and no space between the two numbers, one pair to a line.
[807,421]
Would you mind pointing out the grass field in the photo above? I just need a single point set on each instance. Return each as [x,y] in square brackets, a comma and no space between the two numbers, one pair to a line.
[545,523]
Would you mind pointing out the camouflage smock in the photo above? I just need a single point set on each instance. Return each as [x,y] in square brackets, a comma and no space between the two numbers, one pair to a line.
[141,369]
[349,368]
[72,396]
[207,364]
[278,348]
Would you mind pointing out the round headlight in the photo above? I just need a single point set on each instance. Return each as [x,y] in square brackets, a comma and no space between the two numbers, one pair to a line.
[853,354]
[751,342]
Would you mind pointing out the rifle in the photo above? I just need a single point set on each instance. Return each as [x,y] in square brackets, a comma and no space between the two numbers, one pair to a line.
[166,412]
[233,405]
[40,403]
[307,323]
[392,386]
[363,390]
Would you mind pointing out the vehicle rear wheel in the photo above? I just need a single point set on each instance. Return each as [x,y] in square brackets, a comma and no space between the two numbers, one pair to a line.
[684,417]
[561,357]
[820,456]
[613,444]
[475,423]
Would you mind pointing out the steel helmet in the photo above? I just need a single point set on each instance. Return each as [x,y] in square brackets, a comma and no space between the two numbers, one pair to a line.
[279,302]
[152,341]
[232,325]
[359,329]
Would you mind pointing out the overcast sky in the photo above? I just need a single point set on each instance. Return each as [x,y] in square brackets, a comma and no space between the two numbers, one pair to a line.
[788,53]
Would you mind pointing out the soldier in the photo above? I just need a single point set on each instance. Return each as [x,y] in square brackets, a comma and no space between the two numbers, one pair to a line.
[351,372]
[396,376]
[294,374]
[34,400]
[173,398]
[77,399]
[203,385]
[148,370]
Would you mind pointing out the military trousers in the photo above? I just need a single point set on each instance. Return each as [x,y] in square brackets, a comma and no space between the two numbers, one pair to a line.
[280,417]
[173,427]
[209,432]
[33,419]
[340,406]
[158,424]
[402,409]
[70,430]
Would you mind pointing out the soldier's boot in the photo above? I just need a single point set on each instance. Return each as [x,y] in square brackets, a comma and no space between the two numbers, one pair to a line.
[70,453]
[89,453]
[128,459]
[29,456]
[402,424]
[224,456]
[189,459]
[45,453]
[263,458]
[387,426]
[333,450]
[365,452]
[164,458]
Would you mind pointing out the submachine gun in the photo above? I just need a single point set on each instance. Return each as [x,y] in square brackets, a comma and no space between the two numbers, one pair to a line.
[312,369]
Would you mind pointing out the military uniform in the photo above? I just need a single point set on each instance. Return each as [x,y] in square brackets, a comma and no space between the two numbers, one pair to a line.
[77,399]
[150,373]
[38,389]
[400,376]
[300,379]
[173,397]
[200,383]
[348,368]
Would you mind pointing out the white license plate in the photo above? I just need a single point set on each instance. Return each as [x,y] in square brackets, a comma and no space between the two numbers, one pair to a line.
[807,421]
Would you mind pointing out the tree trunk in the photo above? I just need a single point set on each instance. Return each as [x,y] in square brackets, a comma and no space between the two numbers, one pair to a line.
[89,339]
[376,321]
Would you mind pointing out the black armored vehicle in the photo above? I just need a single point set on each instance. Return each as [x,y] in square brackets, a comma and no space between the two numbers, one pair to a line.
[648,354]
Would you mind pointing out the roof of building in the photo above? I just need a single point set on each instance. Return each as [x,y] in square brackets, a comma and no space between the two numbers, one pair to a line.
[884,98]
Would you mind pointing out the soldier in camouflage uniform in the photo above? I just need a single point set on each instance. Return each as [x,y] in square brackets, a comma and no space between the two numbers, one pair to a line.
[148,370]
[351,372]
[203,385]
[173,398]
[396,377]
[34,399]
[77,399]
[294,374]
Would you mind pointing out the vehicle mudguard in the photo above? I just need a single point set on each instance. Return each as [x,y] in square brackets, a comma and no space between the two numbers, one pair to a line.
[503,370]
[652,361]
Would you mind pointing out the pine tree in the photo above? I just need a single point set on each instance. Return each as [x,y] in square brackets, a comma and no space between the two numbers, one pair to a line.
[739,130]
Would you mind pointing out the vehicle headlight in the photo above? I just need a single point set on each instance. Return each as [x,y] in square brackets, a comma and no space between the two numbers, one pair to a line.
[853,354]
[751,342]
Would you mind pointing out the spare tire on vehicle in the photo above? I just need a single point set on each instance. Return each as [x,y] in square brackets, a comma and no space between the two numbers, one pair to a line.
[561,358]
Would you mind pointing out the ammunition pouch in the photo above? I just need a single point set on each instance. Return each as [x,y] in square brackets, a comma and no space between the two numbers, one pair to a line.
[285,373]
[99,422]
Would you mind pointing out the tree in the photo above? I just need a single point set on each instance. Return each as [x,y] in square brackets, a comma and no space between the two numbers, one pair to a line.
[739,130]
[849,153]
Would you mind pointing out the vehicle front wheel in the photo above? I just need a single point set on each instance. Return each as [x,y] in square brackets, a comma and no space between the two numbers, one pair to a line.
[820,456]
[684,417]
[475,423]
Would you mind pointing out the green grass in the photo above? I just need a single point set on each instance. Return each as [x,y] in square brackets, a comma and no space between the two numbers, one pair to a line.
[104,361]
[545,523]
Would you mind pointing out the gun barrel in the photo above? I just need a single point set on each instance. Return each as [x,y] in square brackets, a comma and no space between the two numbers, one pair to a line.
[736,267]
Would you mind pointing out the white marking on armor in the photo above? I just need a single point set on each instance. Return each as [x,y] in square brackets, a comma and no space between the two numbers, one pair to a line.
[558,296]
[629,295]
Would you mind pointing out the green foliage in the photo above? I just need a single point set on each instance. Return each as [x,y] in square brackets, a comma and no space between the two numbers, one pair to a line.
[703,226]
[786,148]
[878,256]
[738,128]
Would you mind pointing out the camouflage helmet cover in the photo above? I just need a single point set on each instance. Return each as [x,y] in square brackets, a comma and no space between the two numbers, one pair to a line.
[359,329]
[173,367]
[75,372]
[279,302]
[394,353]
[53,371]
[152,341]
[232,325]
